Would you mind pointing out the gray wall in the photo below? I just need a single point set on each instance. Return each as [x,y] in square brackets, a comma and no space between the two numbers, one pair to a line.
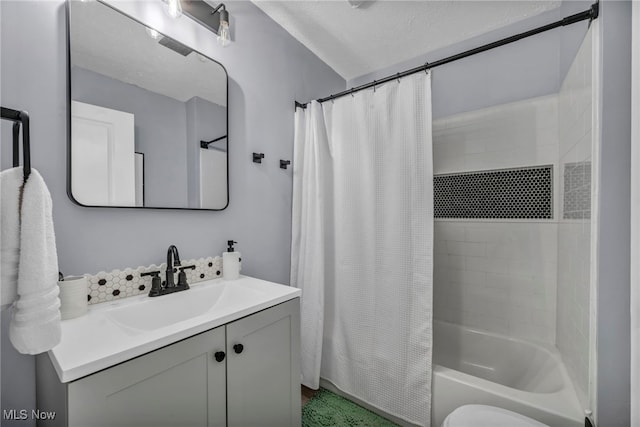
[614,321]
[267,69]
[532,67]
[160,131]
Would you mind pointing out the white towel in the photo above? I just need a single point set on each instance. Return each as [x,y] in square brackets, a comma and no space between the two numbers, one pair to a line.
[35,322]
[10,196]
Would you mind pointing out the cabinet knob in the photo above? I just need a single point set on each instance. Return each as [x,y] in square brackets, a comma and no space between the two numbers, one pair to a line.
[238,348]
[219,355]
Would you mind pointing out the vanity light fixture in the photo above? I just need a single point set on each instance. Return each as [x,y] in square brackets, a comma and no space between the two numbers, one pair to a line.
[223,30]
[215,19]
[173,8]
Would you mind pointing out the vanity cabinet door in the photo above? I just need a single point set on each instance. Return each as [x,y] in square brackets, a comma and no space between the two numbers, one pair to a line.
[179,385]
[263,368]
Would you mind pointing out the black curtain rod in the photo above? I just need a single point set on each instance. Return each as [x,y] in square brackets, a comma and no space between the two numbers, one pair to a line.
[590,14]
[205,144]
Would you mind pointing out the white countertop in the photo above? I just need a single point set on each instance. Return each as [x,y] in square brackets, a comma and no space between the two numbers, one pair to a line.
[96,341]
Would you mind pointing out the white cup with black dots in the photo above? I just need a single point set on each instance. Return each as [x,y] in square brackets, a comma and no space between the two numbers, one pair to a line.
[73,297]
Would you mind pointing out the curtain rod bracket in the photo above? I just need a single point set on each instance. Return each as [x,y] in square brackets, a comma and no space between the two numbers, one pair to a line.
[595,11]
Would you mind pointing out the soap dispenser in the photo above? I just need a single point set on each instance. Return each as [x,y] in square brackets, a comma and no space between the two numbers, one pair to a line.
[231,262]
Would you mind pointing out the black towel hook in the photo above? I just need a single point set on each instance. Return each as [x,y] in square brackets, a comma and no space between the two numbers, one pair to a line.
[19,119]
[257,157]
[284,163]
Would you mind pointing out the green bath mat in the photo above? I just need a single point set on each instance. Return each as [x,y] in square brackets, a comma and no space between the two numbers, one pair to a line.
[327,409]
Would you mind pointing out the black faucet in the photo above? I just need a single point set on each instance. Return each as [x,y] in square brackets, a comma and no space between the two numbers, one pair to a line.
[172,252]
[169,285]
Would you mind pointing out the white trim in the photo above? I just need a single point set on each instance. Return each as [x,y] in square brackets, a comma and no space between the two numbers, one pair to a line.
[635,215]
[596,148]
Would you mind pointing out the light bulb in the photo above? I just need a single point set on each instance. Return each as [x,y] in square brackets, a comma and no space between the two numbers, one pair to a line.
[152,33]
[173,8]
[223,34]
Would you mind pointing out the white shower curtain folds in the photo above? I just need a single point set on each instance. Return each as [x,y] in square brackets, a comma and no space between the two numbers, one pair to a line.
[308,233]
[362,252]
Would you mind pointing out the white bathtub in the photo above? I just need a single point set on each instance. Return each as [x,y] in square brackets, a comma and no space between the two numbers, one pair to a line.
[471,366]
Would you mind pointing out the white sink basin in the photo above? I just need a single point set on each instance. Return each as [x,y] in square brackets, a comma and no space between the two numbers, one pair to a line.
[159,312]
[111,333]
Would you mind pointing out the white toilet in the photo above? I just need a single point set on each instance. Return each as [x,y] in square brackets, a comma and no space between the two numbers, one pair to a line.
[487,416]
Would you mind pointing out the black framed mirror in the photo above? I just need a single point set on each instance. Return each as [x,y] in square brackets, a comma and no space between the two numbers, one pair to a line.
[148,117]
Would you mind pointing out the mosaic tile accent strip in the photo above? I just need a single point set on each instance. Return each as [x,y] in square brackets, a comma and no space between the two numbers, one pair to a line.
[577,191]
[118,284]
[520,193]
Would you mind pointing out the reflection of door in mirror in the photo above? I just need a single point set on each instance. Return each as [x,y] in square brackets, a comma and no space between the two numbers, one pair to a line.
[102,156]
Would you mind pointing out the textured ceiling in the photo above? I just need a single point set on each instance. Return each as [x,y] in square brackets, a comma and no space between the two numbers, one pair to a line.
[357,41]
[110,43]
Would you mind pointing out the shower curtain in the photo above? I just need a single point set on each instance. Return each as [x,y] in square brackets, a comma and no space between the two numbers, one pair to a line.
[363,245]
[309,212]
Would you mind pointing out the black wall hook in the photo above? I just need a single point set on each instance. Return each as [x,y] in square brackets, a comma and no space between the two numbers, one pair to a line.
[284,163]
[257,157]
[19,119]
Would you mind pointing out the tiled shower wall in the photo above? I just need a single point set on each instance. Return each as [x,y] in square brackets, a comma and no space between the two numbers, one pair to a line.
[498,275]
[574,228]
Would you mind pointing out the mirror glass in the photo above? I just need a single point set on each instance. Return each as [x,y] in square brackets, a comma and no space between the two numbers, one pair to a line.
[148,116]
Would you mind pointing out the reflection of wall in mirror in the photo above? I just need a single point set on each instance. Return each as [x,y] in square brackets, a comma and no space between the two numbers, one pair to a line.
[213,189]
[206,121]
[163,127]
[139,170]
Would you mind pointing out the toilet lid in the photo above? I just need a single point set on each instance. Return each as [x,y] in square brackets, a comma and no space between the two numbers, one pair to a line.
[489,416]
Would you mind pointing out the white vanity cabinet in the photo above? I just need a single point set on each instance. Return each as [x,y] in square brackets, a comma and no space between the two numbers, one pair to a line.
[184,384]
[181,384]
[263,380]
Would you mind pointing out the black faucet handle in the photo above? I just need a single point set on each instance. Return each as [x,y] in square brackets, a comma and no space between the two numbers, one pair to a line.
[156,283]
[150,273]
[182,276]
[156,286]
